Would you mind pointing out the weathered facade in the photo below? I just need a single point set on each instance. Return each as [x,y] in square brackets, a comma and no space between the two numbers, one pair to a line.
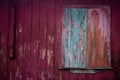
[36,43]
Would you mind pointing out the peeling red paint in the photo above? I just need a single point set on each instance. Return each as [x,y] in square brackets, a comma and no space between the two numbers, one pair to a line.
[49,52]
[46,26]
[21,50]
[43,53]
[51,39]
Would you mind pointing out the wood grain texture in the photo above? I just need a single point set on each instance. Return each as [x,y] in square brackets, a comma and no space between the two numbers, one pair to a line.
[4,29]
[19,41]
[42,44]
[74,38]
[30,13]
[98,38]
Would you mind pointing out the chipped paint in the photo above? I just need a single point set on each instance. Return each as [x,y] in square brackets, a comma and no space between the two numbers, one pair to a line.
[48,56]
[20,28]
[43,53]
[51,39]
[74,37]
[49,52]
[21,50]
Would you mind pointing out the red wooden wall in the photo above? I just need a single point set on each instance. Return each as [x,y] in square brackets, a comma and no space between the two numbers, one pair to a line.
[38,25]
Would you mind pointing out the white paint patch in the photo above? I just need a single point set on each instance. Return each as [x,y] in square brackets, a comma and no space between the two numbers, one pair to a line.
[49,52]
[43,53]
[51,39]
[20,28]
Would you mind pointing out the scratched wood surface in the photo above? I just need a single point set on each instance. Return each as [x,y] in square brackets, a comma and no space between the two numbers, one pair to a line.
[37,23]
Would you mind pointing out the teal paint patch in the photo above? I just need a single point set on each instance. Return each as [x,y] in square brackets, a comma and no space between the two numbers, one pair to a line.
[74,38]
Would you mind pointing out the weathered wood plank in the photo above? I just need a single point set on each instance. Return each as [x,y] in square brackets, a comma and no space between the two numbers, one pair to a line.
[42,44]
[35,39]
[27,39]
[19,41]
[58,25]
[50,39]
[4,39]
[98,38]
[74,38]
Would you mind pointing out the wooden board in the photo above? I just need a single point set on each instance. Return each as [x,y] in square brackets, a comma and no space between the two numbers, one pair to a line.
[98,38]
[85,37]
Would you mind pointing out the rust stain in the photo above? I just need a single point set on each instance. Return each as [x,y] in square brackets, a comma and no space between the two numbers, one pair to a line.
[97,48]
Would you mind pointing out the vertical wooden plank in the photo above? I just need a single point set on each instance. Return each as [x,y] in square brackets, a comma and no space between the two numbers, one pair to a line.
[35,39]
[11,40]
[19,40]
[27,39]
[78,38]
[65,73]
[42,44]
[4,25]
[74,38]
[98,38]
[12,31]
[3,41]
[58,26]
[50,39]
